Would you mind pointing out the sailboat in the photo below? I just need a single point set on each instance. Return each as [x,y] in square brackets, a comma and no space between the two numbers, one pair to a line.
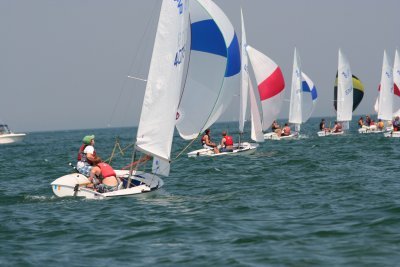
[8,137]
[157,120]
[303,98]
[241,148]
[348,93]
[384,103]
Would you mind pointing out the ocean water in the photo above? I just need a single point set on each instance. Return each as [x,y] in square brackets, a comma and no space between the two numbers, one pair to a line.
[331,201]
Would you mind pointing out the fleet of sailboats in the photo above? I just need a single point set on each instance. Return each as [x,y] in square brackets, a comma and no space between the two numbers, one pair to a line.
[197,66]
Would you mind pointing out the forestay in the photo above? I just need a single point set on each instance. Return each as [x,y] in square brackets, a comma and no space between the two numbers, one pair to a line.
[385,111]
[270,83]
[157,120]
[213,74]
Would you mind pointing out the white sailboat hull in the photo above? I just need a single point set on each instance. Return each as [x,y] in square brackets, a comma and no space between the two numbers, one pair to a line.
[392,134]
[274,136]
[323,133]
[245,149]
[74,185]
[369,129]
[11,138]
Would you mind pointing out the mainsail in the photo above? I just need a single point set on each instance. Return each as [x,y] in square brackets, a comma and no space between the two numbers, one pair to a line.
[270,83]
[247,88]
[396,81]
[385,111]
[344,100]
[157,120]
[213,73]
[295,110]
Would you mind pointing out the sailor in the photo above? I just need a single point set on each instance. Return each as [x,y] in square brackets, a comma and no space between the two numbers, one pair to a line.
[380,125]
[107,176]
[286,130]
[276,128]
[226,142]
[367,120]
[396,124]
[337,128]
[86,155]
[322,126]
[206,141]
[361,122]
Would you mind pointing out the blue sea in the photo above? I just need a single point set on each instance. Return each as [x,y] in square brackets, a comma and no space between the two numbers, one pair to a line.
[316,201]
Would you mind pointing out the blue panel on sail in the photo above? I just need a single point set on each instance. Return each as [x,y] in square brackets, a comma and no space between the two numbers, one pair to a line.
[313,91]
[234,66]
[206,37]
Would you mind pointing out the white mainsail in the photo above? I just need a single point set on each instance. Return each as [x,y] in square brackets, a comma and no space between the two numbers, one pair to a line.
[386,94]
[270,84]
[213,74]
[244,89]
[345,90]
[247,88]
[256,127]
[157,120]
[295,110]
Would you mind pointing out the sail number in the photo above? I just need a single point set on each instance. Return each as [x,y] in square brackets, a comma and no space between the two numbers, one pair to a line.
[179,56]
[348,91]
[179,6]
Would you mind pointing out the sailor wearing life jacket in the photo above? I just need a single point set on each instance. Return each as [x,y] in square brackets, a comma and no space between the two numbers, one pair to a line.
[226,143]
[337,128]
[86,155]
[108,178]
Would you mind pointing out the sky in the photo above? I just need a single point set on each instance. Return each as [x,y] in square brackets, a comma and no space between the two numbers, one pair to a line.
[64,64]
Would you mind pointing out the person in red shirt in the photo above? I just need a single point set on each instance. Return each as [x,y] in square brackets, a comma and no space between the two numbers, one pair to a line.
[226,143]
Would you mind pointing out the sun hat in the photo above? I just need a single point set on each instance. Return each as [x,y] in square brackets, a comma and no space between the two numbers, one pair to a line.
[87,139]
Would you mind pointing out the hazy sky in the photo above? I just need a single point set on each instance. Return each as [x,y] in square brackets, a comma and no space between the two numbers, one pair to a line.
[63,64]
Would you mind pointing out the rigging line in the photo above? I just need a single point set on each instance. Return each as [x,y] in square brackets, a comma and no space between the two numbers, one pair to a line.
[131,65]
[183,150]
[120,152]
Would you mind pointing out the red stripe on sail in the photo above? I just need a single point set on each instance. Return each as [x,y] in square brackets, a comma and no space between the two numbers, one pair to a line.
[396,90]
[272,86]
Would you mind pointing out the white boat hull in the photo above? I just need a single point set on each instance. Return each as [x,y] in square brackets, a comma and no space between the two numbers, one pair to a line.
[392,134]
[74,185]
[274,136]
[11,138]
[369,129]
[245,149]
[324,133]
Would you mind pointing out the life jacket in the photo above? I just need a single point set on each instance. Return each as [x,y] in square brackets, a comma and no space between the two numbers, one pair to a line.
[228,140]
[82,156]
[338,128]
[106,170]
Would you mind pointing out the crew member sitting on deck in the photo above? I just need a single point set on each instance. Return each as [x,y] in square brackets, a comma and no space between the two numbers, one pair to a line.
[396,124]
[286,130]
[322,126]
[226,143]
[337,128]
[276,128]
[380,125]
[206,141]
[367,120]
[361,122]
[106,175]
[86,155]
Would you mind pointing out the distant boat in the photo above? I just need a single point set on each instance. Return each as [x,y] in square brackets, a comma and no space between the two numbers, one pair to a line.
[348,93]
[8,137]
[270,84]
[384,103]
[303,95]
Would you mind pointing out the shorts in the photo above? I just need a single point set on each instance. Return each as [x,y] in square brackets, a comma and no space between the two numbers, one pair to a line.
[84,169]
[102,188]
[226,150]
[208,147]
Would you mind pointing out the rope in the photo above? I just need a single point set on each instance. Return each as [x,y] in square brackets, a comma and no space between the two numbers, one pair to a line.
[191,142]
[120,152]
